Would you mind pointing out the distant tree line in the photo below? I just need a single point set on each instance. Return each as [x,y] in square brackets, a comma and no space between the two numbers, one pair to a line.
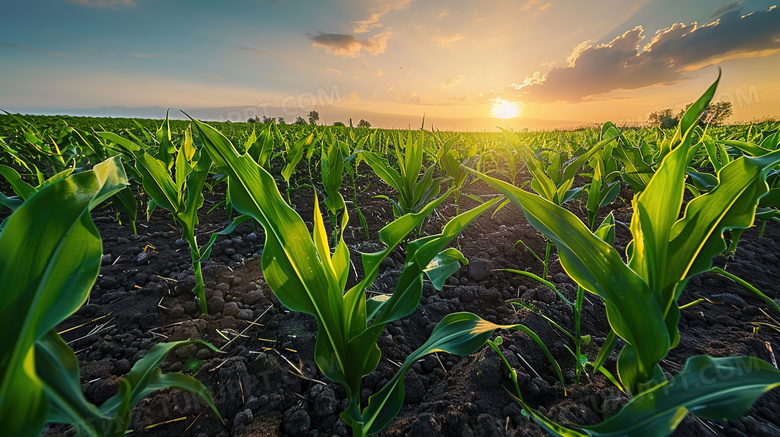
[314,118]
[715,114]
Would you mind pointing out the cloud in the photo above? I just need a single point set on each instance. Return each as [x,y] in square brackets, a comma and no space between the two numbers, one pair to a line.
[444,40]
[102,3]
[626,64]
[535,5]
[30,49]
[354,97]
[728,8]
[379,73]
[377,12]
[348,46]
[452,81]
[259,51]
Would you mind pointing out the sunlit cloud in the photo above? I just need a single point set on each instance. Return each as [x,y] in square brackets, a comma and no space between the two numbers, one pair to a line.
[379,73]
[452,81]
[625,63]
[348,46]
[538,5]
[376,13]
[447,39]
[354,96]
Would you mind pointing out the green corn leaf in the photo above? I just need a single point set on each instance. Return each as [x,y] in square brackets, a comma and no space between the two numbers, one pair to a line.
[458,334]
[20,187]
[294,156]
[48,264]
[658,206]
[443,266]
[125,201]
[711,388]
[632,309]
[145,377]
[698,236]
[383,170]
[290,262]
[58,368]
[205,251]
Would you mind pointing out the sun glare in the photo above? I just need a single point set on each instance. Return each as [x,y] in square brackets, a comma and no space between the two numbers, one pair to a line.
[505,109]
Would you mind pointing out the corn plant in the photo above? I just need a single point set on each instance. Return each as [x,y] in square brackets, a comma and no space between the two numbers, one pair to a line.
[414,191]
[48,264]
[178,189]
[659,410]
[552,181]
[307,277]
[641,296]
[452,161]
[352,162]
[603,187]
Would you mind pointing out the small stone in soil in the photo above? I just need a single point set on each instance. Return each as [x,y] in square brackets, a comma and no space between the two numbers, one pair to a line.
[480,269]
[230,309]
[143,258]
[252,297]
[296,422]
[243,418]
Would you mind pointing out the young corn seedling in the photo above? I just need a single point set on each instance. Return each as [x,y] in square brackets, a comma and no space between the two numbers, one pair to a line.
[178,189]
[641,296]
[603,187]
[48,264]
[413,194]
[307,277]
[553,182]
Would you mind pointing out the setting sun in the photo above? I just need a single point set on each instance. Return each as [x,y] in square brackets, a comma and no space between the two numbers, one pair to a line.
[505,109]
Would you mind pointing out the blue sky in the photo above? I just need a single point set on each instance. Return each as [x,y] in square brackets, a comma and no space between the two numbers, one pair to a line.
[391,61]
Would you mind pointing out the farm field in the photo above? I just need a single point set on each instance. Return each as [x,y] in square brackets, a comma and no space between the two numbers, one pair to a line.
[350,281]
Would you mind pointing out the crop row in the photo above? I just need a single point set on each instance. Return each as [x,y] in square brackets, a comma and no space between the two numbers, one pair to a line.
[695,188]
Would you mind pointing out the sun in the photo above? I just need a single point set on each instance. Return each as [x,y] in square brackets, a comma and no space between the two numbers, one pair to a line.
[505,109]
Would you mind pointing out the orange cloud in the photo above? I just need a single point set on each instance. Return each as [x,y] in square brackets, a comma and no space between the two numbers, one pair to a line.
[348,46]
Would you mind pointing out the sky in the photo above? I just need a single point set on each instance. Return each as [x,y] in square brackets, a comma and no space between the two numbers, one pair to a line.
[458,64]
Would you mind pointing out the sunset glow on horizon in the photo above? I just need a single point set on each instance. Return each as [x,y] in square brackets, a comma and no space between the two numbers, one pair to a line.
[536,64]
[505,109]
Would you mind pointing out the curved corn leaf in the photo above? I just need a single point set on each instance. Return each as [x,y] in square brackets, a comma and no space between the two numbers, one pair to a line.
[632,308]
[711,388]
[290,261]
[20,187]
[48,264]
[443,265]
[294,156]
[458,334]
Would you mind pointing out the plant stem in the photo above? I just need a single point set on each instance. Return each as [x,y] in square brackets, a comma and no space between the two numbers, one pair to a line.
[577,335]
[200,287]
[547,257]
